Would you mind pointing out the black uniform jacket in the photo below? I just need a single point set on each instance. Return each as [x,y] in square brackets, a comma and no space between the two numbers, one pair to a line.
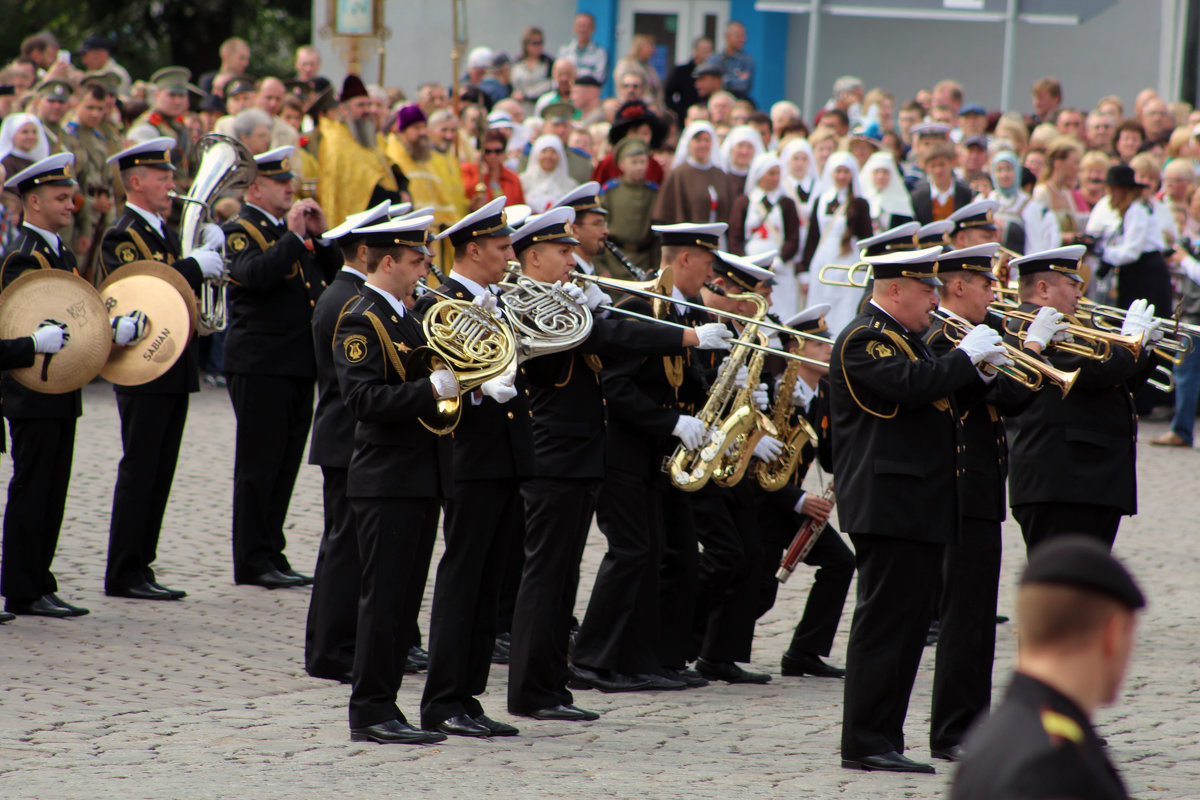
[30,251]
[1081,448]
[567,397]
[1036,744]
[275,283]
[394,454]
[646,396]
[922,200]
[16,353]
[131,238]
[982,408]
[492,441]
[333,424]
[897,450]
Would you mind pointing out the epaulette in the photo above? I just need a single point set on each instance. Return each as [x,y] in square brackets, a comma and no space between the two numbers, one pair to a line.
[579,152]
[1060,726]
[612,184]
[652,185]
[72,128]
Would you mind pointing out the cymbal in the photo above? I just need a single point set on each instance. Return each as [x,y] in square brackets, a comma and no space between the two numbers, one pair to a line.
[168,327]
[159,270]
[56,294]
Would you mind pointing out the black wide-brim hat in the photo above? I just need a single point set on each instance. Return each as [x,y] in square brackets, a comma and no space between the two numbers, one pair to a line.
[633,113]
[1123,175]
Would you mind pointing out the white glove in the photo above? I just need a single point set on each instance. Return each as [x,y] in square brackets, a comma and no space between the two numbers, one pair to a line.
[1047,324]
[768,449]
[595,296]
[1000,359]
[487,301]
[445,384]
[212,265]
[211,236]
[49,337]
[575,294]
[981,342]
[760,397]
[713,336]
[1139,319]
[690,431]
[501,388]
[798,398]
[128,328]
[739,378]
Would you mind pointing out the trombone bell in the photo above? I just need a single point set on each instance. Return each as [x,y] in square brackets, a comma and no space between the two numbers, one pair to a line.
[848,280]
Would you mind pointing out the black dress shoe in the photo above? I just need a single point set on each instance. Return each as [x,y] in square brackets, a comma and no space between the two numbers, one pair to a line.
[505,639]
[76,611]
[340,677]
[496,728]
[500,654]
[419,655]
[274,580]
[688,677]
[140,591]
[605,680]
[656,682]
[729,672]
[176,594]
[7,617]
[891,761]
[42,607]
[935,630]
[305,580]
[566,713]
[951,753]
[395,732]
[808,664]
[462,725]
[1001,619]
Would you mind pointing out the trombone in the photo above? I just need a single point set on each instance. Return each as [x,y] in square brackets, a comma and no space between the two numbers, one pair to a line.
[1028,370]
[848,279]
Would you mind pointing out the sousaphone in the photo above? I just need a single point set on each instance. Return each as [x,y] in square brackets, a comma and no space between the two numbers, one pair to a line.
[62,296]
[165,297]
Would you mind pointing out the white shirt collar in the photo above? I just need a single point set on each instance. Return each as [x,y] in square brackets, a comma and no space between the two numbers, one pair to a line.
[396,305]
[583,265]
[274,220]
[941,197]
[353,271]
[154,220]
[807,393]
[893,319]
[678,295]
[471,286]
[51,238]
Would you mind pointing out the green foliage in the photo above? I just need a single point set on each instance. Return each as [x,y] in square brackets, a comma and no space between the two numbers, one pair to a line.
[155,33]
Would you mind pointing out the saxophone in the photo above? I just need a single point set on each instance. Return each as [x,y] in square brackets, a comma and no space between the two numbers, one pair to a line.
[736,459]
[774,475]
[724,419]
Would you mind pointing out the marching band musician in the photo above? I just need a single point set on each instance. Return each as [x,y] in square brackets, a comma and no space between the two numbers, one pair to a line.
[897,463]
[277,270]
[398,474]
[621,645]
[781,512]
[569,410]
[152,414]
[333,607]
[962,682]
[590,226]
[493,453]
[42,425]
[1073,458]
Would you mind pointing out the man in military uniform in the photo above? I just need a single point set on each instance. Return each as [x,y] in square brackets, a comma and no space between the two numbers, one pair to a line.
[42,425]
[399,473]
[166,113]
[591,224]
[92,148]
[52,105]
[1077,609]
[269,362]
[333,608]
[152,414]
[897,464]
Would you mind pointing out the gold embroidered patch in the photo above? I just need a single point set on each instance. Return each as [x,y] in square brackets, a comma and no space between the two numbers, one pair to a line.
[355,347]
[126,252]
[238,242]
[402,347]
[879,350]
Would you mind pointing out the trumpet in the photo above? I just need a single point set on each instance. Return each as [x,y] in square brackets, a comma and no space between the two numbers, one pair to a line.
[848,280]
[1173,346]
[1088,342]
[1027,370]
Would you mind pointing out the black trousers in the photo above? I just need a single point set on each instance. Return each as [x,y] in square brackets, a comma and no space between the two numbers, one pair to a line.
[619,631]
[480,522]
[395,539]
[37,493]
[510,582]
[558,513]
[727,529]
[1042,521]
[151,430]
[273,417]
[966,648]
[896,595]
[333,608]
[678,575]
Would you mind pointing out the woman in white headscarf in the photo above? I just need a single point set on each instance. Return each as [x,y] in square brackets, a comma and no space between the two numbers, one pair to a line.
[800,180]
[764,219]
[883,189]
[741,146]
[545,179]
[697,188]
[840,217]
[1025,226]
[22,142]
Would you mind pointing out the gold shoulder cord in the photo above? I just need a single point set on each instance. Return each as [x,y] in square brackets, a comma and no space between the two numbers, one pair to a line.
[338,324]
[140,244]
[385,342]
[261,241]
[846,377]
[941,404]
[43,262]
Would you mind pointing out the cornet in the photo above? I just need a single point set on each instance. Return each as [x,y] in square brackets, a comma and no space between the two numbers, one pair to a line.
[1027,370]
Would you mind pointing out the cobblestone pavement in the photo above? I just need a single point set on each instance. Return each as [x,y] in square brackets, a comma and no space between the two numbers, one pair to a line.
[207,698]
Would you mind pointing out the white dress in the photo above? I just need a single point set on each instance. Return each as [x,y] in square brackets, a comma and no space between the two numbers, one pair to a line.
[844,300]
